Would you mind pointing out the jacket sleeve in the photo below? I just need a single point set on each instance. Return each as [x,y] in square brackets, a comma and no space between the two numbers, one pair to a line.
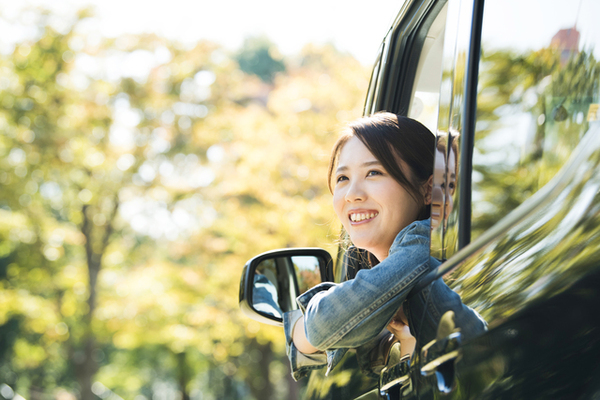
[425,309]
[301,364]
[354,312]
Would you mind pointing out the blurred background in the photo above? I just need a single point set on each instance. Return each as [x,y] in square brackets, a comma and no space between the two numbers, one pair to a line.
[146,153]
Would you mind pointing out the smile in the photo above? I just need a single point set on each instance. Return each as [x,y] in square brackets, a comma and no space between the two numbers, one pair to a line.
[359,217]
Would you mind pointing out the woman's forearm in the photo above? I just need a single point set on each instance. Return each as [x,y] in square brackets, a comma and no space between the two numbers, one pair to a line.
[300,340]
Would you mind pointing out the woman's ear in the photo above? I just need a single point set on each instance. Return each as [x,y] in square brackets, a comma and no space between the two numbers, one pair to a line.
[427,189]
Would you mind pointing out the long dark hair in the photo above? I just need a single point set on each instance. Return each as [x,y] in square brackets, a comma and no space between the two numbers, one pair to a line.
[393,139]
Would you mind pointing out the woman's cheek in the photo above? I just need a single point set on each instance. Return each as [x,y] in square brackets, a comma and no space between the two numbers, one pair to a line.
[338,203]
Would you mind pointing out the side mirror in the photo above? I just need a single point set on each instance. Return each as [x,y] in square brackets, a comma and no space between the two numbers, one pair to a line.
[271,281]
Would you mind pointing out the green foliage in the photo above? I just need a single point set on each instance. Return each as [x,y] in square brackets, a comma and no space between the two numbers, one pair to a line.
[535,86]
[136,179]
[259,56]
[525,264]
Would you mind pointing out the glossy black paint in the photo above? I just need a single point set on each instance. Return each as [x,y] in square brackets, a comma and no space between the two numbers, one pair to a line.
[345,381]
[537,275]
[393,77]
[547,351]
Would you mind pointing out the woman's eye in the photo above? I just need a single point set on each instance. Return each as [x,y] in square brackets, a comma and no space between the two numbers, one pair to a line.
[451,186]
[341,178]
[373,173]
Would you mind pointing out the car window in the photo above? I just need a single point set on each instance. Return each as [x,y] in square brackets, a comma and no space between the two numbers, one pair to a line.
[538,89]
[444,206]
[426,89]
[537,98]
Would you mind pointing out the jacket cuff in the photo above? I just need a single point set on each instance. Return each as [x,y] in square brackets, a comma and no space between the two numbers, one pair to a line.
[305,298]
[301,364]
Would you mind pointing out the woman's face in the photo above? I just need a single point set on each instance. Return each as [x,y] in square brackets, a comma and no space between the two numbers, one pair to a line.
[372,206]
[443,190]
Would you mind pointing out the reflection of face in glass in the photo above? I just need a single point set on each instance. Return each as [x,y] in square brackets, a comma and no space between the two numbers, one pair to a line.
[444,184]
[437,191]
[451,185]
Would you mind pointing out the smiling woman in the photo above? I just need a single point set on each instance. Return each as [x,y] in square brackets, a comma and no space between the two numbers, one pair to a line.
[372,203]
[380,175]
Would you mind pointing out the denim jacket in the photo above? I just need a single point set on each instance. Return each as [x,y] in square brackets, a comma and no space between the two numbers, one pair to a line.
[353,313]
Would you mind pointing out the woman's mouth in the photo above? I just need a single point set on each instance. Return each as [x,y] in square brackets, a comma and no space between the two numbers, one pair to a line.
[360,217]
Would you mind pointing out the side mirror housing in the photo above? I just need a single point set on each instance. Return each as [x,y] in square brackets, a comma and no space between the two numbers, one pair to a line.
[271,281]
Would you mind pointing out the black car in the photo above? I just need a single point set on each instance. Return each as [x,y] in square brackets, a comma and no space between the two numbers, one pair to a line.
[512,90]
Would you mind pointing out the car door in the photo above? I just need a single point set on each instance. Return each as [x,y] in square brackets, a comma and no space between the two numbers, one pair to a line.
[519,201]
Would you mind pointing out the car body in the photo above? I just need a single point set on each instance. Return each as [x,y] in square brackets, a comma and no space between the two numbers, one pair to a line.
[511,89]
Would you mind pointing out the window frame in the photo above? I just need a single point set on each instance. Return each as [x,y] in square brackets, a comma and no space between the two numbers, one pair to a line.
[402,48]
[470,117]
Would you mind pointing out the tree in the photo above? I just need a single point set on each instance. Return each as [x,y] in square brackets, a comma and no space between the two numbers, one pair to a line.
[259,56]
[556,98]
[132,196]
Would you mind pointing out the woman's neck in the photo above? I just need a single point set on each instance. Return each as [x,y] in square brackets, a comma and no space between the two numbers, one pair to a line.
[380,255]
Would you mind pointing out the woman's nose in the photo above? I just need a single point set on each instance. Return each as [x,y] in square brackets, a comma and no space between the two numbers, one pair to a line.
[449,204]
[355,192]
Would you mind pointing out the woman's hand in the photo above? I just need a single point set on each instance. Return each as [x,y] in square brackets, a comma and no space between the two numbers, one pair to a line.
[399,327]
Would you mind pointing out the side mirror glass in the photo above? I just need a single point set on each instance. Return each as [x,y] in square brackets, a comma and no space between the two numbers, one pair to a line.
[271,281]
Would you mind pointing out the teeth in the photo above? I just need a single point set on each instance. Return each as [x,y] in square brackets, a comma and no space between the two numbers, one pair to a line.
[362,216]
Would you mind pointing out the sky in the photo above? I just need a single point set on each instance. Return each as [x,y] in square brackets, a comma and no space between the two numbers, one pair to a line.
[556,14]
[352,26]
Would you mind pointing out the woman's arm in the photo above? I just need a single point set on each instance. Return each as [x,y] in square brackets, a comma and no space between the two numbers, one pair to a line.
[354,312]
[300,363]
[300,340]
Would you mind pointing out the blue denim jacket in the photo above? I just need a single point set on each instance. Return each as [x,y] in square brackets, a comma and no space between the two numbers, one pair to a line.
[264,296]
[353,313]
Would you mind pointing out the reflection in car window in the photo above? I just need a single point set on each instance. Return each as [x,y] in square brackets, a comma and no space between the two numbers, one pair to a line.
[426,89]
[538,95]
[538,91]
[308,272]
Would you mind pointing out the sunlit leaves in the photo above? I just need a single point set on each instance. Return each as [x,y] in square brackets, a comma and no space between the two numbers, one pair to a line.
[137,177]
[259,56]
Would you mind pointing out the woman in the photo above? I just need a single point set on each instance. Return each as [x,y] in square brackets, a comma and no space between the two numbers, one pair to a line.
[380,175]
